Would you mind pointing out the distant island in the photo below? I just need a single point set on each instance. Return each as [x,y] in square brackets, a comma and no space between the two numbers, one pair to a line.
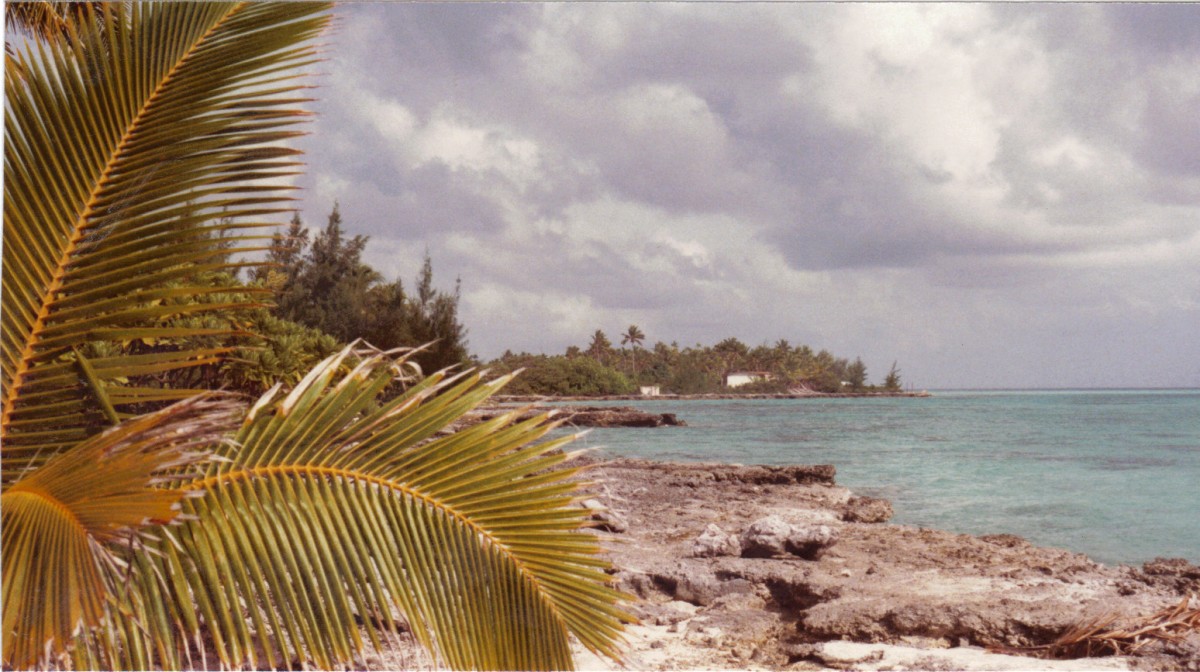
[728,369]
[326,297]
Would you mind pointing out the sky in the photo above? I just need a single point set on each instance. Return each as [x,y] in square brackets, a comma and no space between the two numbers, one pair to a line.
[990,195]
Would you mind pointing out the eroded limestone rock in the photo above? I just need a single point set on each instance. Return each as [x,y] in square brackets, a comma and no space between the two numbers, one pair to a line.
[772,536]
[715,542]
[867,510]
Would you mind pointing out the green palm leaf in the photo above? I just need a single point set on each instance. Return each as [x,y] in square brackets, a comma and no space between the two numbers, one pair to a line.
[61,522]
[127,148]
[132,146]
[334,510]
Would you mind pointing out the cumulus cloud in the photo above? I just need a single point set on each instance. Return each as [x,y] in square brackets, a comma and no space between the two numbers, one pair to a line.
[991,194]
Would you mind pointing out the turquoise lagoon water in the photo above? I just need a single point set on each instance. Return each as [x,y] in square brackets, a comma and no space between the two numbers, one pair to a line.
[1113,474]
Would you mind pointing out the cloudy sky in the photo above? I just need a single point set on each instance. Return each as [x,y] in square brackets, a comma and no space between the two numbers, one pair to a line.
[995,195]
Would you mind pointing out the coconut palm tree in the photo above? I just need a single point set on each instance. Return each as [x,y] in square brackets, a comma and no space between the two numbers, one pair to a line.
[291,531]
[600,347]
[634,337]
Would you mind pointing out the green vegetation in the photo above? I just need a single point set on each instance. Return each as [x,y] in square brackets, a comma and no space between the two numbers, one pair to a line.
[562,376]
[692,370]
[262,348]
[324,298]
[149,523]
[325,285]
[633,338]
[891,383]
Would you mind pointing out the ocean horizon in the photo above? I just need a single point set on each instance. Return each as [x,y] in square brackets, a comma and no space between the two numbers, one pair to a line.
[1063,389]
[1109,472]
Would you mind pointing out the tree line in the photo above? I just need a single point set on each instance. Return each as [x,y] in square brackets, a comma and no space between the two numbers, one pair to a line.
[323,283]
[601,368]
[308,298]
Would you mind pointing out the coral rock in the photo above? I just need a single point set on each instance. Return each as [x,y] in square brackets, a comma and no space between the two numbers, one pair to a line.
[867,510]
[772,536]
[714,542]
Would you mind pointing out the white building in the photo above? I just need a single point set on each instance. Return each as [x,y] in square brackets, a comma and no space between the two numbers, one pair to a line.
[650,390]
[739,378]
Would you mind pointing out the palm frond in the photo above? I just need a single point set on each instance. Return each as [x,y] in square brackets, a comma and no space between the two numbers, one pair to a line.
[335,510]
[61,522]
[41,20]
[127,149]
[132,147]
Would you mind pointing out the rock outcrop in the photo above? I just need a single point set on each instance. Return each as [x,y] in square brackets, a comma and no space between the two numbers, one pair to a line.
[772,536]
[882,597]
[615,416]
[589,416]
[901,588]
[867,510]
[1173,573]
[714,542]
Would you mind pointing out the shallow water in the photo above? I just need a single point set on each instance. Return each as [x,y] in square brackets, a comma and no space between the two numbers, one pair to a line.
[1114,474]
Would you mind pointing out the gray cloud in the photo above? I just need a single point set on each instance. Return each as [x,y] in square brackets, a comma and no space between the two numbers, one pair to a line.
[1155,30]
[936,184]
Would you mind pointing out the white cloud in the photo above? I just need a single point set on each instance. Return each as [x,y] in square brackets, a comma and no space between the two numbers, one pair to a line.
[695,252]
[911,74]
[394,122]
[448,138]
[559,318]
[462,145]
[1068,153]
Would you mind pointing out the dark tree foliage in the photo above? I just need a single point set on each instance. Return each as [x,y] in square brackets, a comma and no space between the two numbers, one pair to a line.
[328,288]
[286,251]
[856,376]
[892,382]
[693,380]
[600,349]
[433,317]
[264,348]
[326,285]
[732,347]
[559,375]
[634,338]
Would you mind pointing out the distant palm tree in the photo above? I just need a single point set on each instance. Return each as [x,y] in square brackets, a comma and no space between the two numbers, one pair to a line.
[599,348]
[634,337]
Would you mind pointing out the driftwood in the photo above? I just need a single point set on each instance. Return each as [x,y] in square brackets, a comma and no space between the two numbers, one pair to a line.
[1098,637]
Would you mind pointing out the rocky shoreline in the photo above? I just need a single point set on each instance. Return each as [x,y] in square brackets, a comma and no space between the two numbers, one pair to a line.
[779,568]
[842,589]
[586,416]
[807,394]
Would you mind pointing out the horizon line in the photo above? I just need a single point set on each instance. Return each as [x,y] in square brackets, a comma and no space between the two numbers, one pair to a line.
[1069,389]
